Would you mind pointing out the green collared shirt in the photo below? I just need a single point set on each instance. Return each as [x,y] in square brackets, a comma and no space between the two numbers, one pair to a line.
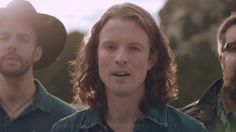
[225,121]
[38,117]
[161,119]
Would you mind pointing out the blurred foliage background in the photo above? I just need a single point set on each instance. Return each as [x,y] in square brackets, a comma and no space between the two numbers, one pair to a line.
[56,77]
[191,26]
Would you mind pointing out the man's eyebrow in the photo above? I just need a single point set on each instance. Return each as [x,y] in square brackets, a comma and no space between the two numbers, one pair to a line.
[23,35]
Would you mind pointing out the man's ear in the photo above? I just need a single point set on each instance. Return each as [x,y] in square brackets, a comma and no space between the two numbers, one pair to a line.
[220,57]
[154,57]
[38,53]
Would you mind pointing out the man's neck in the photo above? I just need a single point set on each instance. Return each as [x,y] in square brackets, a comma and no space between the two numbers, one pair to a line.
[122,112]
[16,90]
[16,94]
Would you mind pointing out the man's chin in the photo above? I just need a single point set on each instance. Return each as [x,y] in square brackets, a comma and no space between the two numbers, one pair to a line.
[13,72]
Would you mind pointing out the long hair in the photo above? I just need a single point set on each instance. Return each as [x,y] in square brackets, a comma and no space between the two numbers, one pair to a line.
[160,81]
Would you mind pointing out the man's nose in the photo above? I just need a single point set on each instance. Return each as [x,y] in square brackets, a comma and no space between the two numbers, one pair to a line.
[12,44]
[121,57]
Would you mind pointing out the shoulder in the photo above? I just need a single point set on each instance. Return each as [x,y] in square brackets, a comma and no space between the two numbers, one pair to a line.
[183,121]
[59,106]
[204,109]
[70,123]
[51,103]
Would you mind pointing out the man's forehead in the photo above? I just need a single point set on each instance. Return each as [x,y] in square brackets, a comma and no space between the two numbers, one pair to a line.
[230,34]
[11,24]
[19,28]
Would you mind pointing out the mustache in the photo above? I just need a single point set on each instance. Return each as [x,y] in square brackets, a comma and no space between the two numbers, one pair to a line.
[12,56]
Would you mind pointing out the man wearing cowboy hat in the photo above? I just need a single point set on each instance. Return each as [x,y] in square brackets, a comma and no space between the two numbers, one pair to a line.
[28,41]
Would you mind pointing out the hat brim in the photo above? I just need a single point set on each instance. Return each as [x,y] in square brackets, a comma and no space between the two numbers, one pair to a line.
[52,37]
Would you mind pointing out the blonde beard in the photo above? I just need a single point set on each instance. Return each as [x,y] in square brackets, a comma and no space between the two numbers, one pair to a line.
[229,87]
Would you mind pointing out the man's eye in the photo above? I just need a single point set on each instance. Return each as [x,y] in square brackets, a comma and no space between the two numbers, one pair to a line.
[230,47]
[4,37]
[110,47]
[23,39]
[135,49]
[233,47]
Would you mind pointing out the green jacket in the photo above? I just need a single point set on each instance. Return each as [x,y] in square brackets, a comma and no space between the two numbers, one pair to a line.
[161,119]
[209,109]
[39,117]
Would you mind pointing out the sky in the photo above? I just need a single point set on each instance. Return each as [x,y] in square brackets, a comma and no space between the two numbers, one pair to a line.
[80,15]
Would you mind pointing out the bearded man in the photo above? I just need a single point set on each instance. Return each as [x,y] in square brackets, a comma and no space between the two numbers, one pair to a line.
[28,41]
[217,107]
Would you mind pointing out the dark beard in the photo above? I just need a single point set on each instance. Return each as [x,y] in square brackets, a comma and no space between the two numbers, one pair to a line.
[229,87]
[26,65]
[14,74]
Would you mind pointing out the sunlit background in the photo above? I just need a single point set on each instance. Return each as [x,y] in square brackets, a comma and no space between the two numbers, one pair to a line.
[191,26]
[81,14]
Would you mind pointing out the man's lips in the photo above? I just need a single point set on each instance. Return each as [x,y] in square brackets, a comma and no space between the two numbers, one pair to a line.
[11,57]
[121,74]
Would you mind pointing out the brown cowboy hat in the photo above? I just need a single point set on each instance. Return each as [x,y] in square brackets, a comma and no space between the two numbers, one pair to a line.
[50,31]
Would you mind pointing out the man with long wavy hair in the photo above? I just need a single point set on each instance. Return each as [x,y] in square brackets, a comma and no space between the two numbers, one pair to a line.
[125,73]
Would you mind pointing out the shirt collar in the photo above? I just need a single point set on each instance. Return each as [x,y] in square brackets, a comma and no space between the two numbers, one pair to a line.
[41,99]
[157,115]
[93,117]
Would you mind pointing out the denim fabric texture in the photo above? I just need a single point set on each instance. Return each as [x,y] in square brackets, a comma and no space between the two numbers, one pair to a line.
[161,119]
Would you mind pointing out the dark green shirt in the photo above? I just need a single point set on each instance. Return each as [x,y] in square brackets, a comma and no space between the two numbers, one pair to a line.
[161,119]
[225,120]
[40,116]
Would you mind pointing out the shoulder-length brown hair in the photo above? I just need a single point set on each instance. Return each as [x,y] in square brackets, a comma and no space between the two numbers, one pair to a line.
[160,82]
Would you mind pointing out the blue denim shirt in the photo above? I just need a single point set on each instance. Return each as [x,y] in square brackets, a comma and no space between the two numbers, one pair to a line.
[38,117]
[161,119]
